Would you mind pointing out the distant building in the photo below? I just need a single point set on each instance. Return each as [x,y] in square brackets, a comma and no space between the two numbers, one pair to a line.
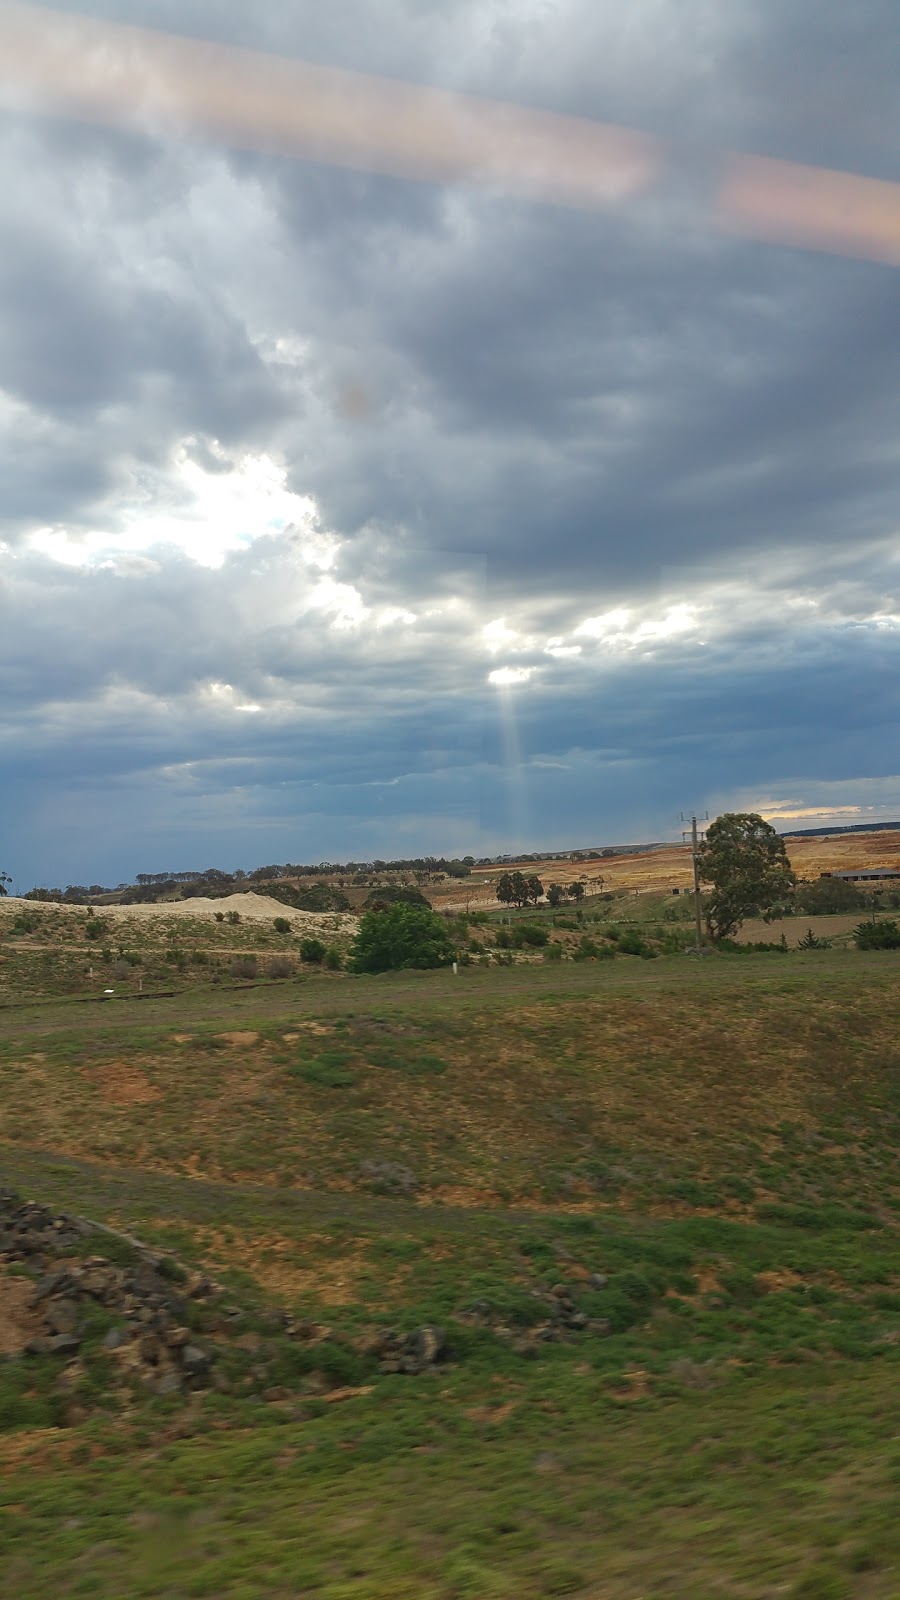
[876,875]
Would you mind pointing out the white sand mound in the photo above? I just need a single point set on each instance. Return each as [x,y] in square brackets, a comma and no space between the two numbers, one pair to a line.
[251,908]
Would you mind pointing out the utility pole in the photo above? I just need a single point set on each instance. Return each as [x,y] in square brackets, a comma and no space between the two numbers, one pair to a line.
[696,836]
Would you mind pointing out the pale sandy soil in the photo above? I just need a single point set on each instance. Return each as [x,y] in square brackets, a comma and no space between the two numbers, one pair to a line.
[251,907]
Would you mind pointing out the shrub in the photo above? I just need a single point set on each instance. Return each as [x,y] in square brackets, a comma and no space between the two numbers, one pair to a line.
[631,944]
[281,967]
[828,895]
[233,917]
[312,950]
[528,933]
[220,916]
[877,936]
[282,925]
[504,940]
[553,952]
[400,937]
[393,894]
[333,959]
[242,967]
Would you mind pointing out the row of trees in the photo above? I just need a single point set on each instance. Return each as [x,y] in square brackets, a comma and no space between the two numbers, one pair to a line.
[514,889]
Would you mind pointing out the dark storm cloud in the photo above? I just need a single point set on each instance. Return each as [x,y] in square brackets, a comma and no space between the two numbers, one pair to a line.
[535,414]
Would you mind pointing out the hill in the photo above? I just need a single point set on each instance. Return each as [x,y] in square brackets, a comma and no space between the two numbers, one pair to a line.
[651,1209]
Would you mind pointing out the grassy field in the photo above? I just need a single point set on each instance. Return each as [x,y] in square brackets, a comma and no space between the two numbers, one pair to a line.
[700,1155]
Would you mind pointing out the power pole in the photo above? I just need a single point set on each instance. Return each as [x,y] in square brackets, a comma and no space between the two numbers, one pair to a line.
[696,837]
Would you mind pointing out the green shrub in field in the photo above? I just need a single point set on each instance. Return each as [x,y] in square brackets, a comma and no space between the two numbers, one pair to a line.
[529,934]
[220,916]
[328,1070]
[333,961]
[399,937]
[631,944]
[504,939]
[282,925]
[877,935]
[753,947]
[312,950]
[553,952]
[587,949]
[233,917]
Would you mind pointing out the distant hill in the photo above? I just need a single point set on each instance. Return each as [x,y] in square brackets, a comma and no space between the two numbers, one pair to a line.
[855,827]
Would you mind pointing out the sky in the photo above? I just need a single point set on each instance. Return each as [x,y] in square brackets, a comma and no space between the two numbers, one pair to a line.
[348,514]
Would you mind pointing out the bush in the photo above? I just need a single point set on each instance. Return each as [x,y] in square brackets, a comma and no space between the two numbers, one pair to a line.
[334,961]
[753,947]
[553,952]
[281,967]
[400,937]
[827,895]
[242,967]
[312,950]
[528,933]
[631,944]
[394,894]
[282,925]
[877,936]
[233,917]
[220,916]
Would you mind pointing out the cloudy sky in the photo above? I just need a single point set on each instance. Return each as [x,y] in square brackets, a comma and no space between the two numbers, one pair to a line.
[346,513]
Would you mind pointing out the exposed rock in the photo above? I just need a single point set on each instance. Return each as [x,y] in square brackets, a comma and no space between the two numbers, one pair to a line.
[169,1382]
[61,1316]
[63,1344]
[195,1361]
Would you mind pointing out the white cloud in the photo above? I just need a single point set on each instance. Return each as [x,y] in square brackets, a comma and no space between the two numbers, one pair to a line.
[204,514]
[503,677]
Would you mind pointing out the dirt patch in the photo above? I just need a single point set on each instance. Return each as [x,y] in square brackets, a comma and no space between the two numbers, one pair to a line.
[242,1040]
[772,1282]
[18,1323]
[283,1270]
[182,1038]
[123,1084]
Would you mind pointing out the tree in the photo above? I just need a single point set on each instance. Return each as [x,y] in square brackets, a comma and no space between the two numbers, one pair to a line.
[534,888]
[555,895]
[746,862]
[828,895]
[395,894]
[505,892]
[575,891]
[401,936]
[515,889]
[4,880]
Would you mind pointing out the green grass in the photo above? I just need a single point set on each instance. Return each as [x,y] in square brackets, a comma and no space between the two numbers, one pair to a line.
[702,1156]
